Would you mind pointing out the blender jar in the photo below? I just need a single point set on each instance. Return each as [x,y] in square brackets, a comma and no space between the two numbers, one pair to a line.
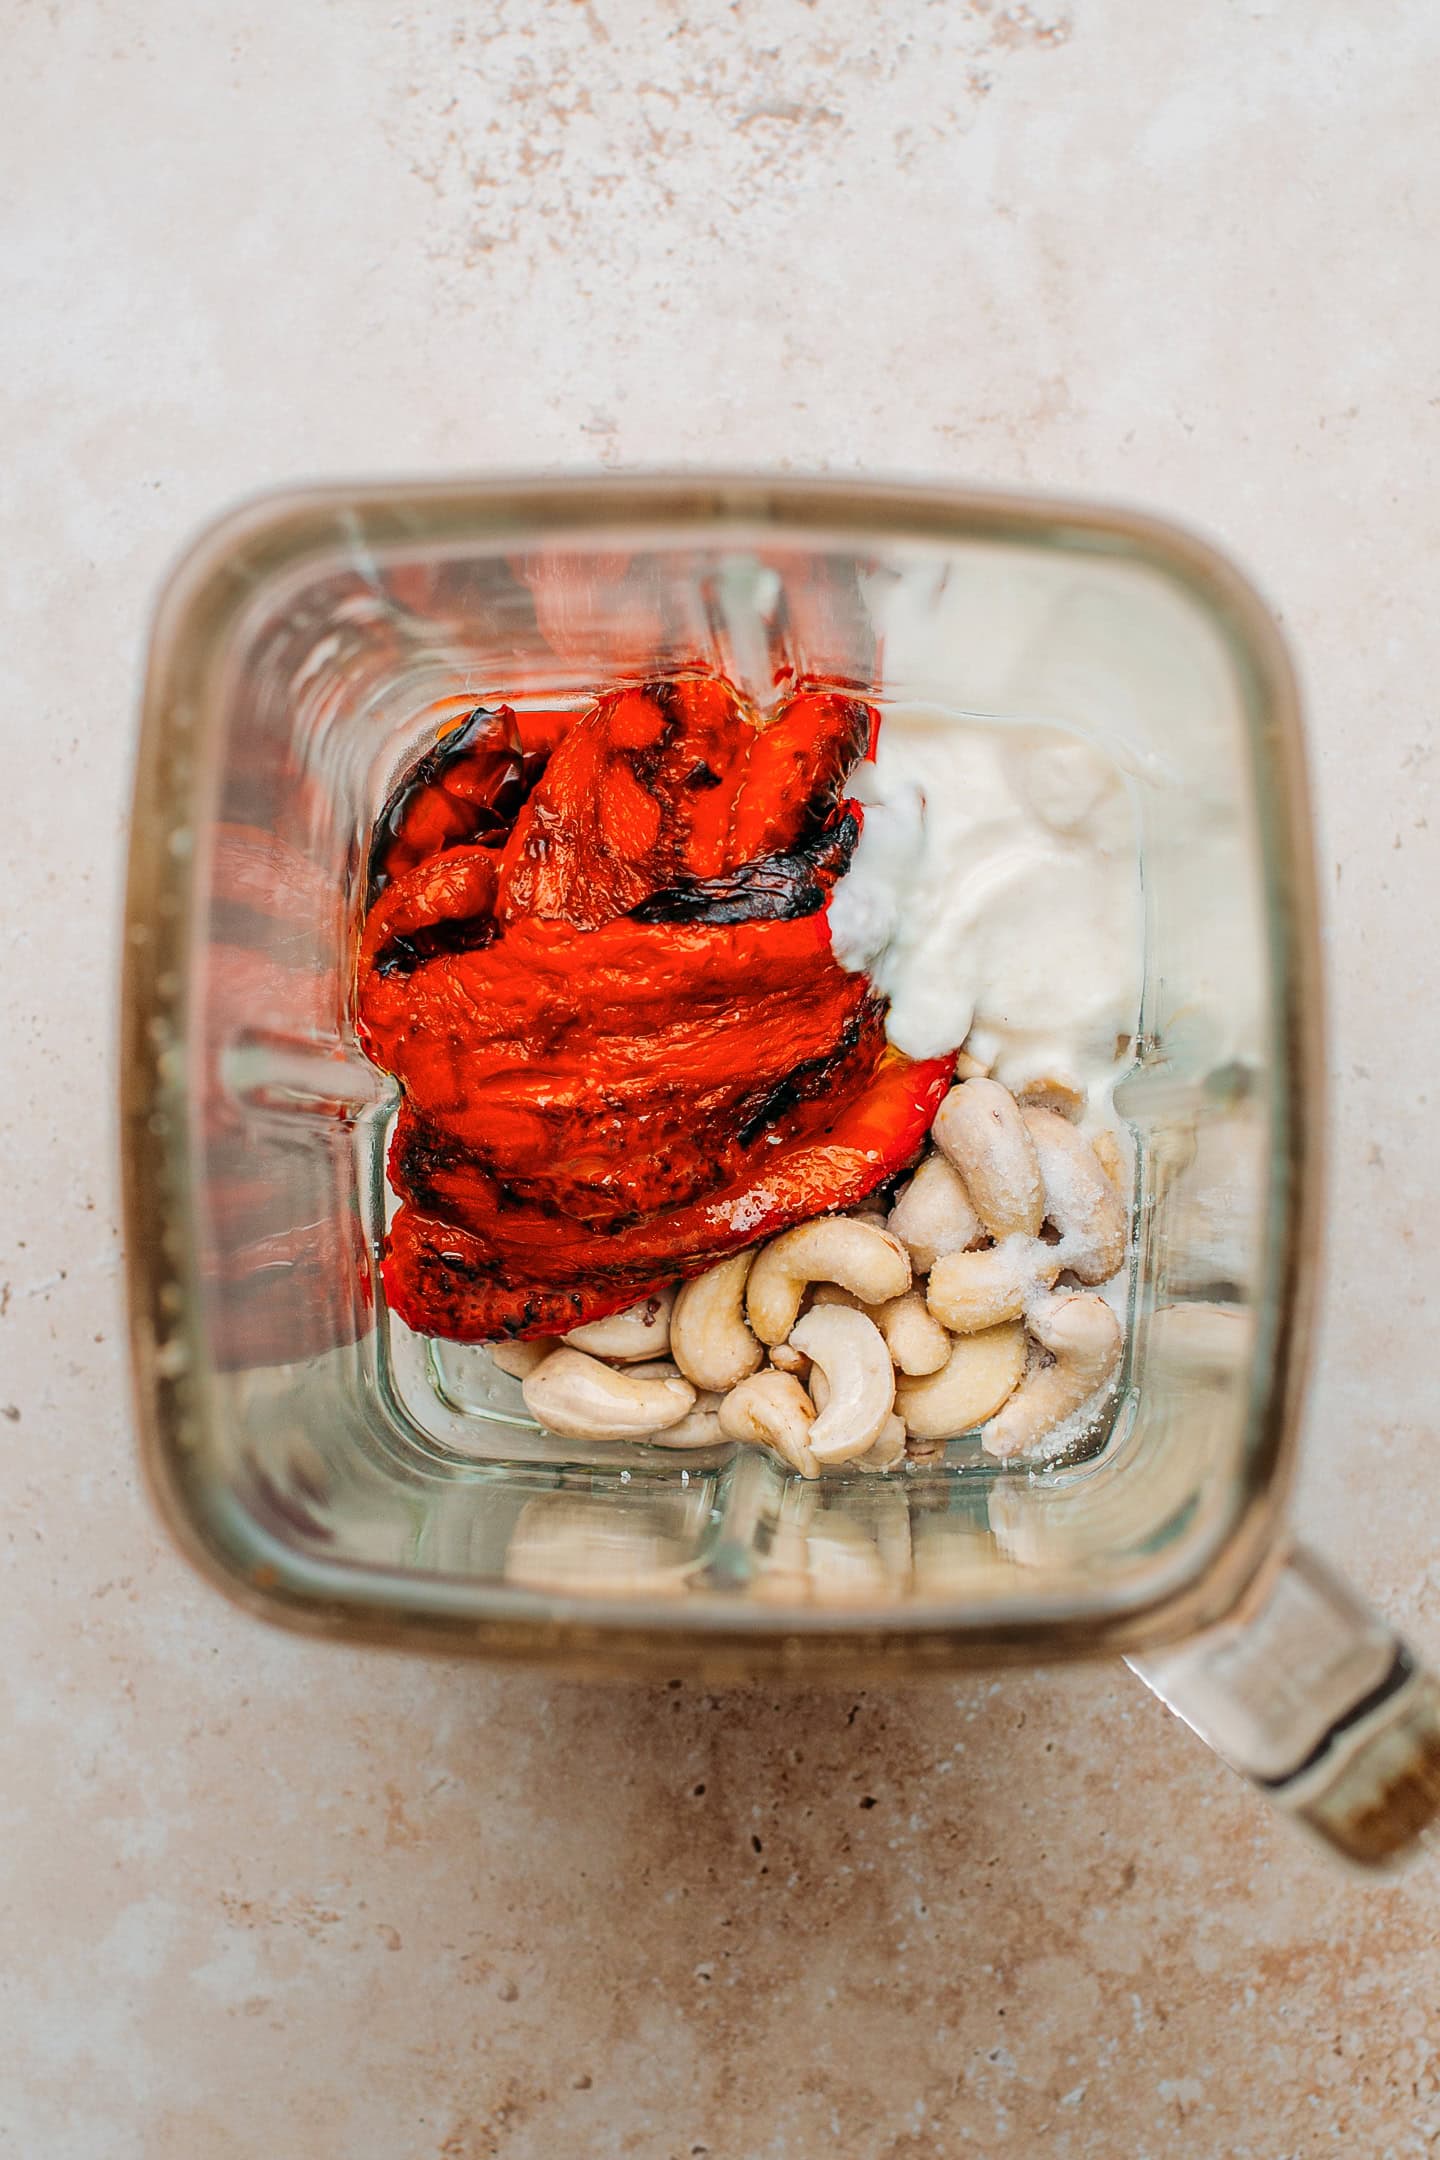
[329,1469]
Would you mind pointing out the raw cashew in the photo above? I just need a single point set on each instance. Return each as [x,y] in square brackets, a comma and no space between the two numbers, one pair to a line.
[850,1350]
[917,1343]
[785,1358]
[968,1291]
[771,1409]
[1052,1091]
[860,1256]
[709,1340]
[641,1331]
[980,1129]
[1084,1337]
[699,1428]
[981,1372]
[1079,1199]
[933,1215]
[888,1450]
[830,1293]
[1110,1158]
[576,1396]
[519,1359]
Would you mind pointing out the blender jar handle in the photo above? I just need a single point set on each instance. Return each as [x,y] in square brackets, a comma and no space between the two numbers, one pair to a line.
[1315,1700]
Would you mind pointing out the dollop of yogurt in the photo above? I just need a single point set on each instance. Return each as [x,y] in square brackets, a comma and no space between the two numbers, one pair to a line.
[995,895]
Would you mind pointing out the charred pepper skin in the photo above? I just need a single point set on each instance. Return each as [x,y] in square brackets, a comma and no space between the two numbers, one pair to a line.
[599,963]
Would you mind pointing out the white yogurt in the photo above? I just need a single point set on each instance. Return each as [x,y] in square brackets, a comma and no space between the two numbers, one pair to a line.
[995,895]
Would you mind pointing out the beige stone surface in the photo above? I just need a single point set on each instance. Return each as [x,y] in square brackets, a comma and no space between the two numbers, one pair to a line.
[258,1898]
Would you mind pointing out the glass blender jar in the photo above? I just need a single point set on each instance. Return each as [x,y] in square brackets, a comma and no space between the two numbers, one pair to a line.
[331,1471]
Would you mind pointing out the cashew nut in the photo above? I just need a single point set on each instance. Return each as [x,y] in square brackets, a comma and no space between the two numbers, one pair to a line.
[1079,1199]
[917,1342]
[980,1129]
[850,1351]
[699,1428]
[933,1215]
[1052,1091]
[888,1450]
[640,1331]
[970,1067]
[1084,1337]
[786,1358]
[968,1291]
[860,1256]
[1111,1159]
[830,1293]
[577,1397]
[519,1359]
[772,1410]
[709,1340]
[981,1372]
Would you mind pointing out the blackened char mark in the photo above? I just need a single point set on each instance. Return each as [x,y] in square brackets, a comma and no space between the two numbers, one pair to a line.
[488,731]
[802,1083]
[401,955]
[773,888]
[417,1153]
[490,728]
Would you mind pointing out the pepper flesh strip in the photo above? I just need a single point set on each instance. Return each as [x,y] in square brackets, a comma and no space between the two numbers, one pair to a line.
[519,1278]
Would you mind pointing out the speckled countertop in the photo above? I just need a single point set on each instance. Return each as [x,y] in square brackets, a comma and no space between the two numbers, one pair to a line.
[266,1899]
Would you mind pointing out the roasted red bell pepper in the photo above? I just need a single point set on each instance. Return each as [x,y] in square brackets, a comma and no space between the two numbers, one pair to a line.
[625,1044]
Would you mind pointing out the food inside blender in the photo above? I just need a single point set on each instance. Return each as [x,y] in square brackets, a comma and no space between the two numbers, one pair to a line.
[755,1069]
